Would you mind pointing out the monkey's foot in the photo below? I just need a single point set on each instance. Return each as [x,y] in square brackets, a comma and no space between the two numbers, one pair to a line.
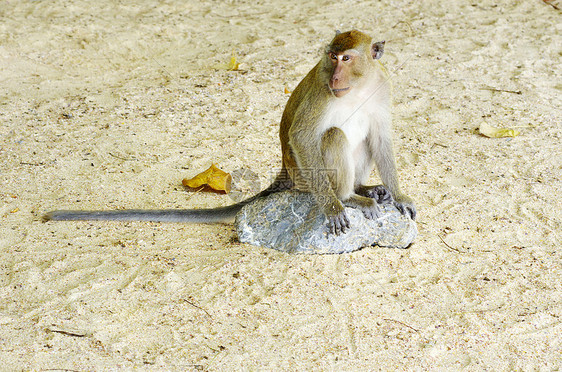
[372,213]
[379,192]
[406,208]
[405,205]
[369,206]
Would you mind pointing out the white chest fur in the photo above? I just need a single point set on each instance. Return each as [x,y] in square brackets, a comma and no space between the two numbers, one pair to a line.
[357,115]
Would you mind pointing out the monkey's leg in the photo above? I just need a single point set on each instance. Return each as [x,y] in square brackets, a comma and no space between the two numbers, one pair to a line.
[339,163]
[386,166]
[363,168]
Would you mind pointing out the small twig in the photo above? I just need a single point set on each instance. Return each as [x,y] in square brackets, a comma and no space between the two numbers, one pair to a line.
[34,164]
[549,2]
[68,331]
[404,324]
[120,157]
[198,307]
[447,245]
[502,90]
[439,144]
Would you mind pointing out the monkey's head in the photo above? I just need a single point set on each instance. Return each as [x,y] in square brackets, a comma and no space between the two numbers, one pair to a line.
[348,58]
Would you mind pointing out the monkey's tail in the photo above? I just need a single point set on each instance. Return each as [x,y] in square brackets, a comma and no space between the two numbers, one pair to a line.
[216,215]
[213,215]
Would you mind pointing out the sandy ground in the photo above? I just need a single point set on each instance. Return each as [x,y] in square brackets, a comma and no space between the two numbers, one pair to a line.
[111,105]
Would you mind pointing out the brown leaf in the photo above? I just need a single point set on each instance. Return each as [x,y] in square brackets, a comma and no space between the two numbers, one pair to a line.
[213,177]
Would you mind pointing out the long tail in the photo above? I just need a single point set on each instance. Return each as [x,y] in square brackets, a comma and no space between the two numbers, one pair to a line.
[214,215]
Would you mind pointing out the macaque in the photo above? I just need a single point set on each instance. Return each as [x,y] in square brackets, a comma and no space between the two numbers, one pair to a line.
[335,128]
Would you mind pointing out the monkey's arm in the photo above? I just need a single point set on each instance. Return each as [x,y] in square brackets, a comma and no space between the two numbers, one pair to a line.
[311,173]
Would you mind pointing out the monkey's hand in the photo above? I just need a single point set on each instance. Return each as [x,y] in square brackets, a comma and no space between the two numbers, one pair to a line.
[405,205]
[338,222]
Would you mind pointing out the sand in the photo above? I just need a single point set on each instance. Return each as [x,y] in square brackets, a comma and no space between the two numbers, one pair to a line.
[111,105]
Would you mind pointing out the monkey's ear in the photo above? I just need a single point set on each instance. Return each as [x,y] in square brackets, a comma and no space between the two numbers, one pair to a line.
[377,49]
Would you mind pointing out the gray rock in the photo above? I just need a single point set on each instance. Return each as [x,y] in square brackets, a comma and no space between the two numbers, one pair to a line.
[290,221]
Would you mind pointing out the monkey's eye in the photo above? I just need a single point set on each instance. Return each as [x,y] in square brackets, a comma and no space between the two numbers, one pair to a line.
[345,58]
[333,56]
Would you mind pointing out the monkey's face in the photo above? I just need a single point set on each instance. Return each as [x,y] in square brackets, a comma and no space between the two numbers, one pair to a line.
[349,57]
[344,71]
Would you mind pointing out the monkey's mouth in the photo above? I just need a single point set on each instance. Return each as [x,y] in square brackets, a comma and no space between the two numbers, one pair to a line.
[340,92]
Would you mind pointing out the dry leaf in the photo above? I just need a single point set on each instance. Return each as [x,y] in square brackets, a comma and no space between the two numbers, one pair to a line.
[287,91]
[213,177]
[233,65]
[492,132]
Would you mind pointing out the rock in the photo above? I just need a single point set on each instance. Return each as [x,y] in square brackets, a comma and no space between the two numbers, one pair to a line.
[290,221]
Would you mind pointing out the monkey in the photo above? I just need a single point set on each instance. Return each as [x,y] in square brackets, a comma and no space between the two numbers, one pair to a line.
[336,127]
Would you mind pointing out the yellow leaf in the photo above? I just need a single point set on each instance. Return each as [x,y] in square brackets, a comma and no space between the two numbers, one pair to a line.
[233,65]
[287,91]
[493,132]
[213,177]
